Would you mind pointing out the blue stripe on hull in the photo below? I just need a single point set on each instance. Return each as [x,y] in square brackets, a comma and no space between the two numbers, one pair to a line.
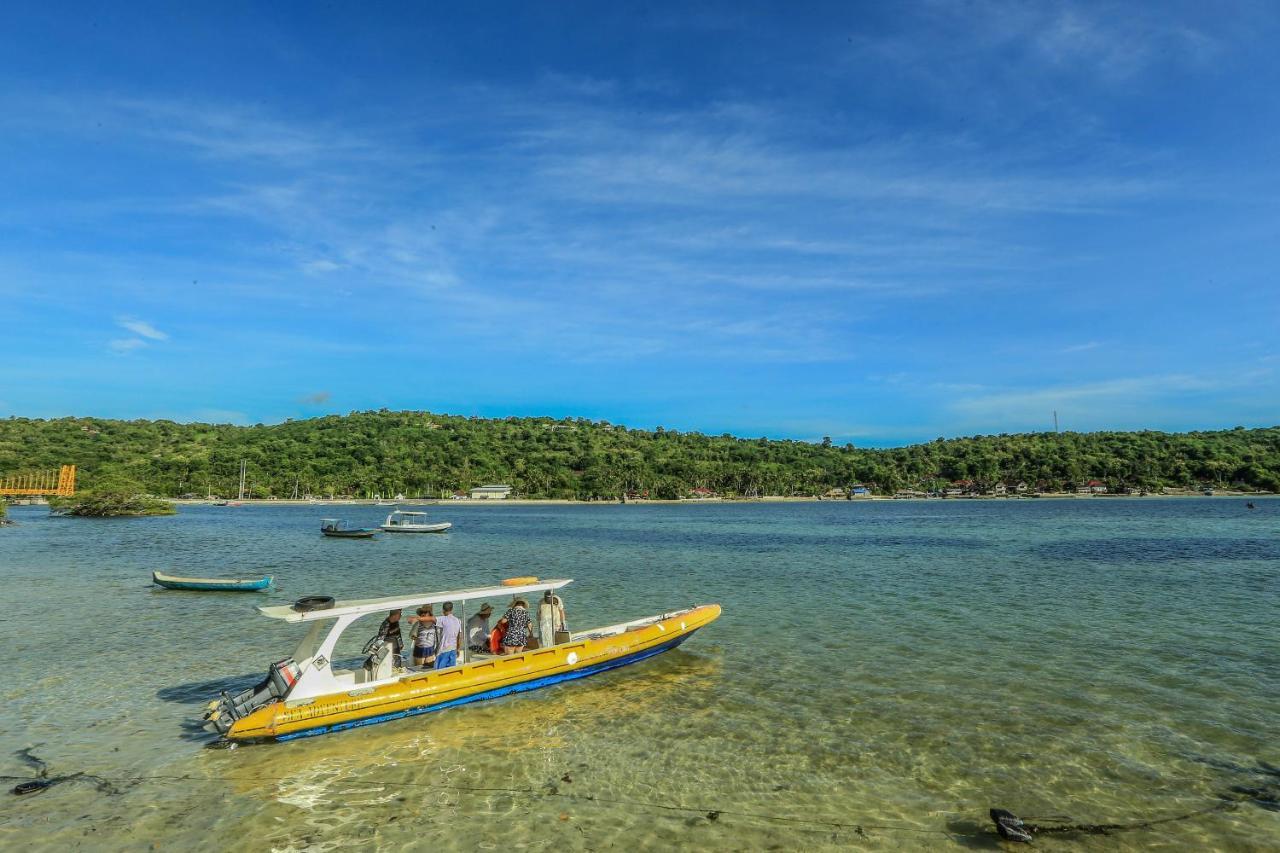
[534,684]
[215,587]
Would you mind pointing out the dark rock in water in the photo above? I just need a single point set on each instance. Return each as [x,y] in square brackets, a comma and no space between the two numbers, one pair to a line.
[713,816]
[35,786]
[1010,826]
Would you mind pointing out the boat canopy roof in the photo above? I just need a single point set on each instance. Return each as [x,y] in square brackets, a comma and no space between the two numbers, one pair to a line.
[400,602]
[407,512]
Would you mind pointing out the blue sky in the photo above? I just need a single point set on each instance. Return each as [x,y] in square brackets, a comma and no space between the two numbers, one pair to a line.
[879,222]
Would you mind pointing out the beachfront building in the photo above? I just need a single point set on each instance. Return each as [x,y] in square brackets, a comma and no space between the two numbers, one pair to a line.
[490,493]
[1093,487]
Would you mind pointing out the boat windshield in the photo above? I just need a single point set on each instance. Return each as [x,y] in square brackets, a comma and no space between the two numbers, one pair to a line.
[407,519]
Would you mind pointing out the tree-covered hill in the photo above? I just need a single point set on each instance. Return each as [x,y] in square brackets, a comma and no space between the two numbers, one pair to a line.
[419,453]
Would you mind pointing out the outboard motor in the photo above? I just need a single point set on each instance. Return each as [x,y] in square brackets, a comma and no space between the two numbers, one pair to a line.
[222,713]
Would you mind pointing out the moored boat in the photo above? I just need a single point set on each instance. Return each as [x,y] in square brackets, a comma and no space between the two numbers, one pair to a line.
[403,521]
[337,529]
[306,695]
[211,584]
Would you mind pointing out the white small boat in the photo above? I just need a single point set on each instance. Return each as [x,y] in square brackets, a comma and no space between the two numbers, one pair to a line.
[401,521]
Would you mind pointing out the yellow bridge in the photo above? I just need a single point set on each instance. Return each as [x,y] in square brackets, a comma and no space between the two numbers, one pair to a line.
[61,483]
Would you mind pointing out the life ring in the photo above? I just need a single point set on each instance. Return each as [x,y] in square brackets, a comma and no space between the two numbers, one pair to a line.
[519,581]
[496,635]
[313,602]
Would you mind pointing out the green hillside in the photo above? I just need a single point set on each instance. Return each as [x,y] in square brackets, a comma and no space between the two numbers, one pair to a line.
[419,453]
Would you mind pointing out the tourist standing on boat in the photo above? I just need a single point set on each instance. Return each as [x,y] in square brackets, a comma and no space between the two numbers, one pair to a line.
[426,637]
[550,618]
[450,637]
[390,632]
[517,635]
[478,630]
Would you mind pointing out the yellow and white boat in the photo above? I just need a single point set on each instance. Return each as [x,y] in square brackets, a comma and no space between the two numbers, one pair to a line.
[304,695]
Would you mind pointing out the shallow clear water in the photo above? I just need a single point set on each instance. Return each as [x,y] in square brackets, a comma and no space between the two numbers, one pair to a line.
[895,666]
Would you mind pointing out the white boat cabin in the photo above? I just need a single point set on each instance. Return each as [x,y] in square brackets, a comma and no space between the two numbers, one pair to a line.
[315,653]
[404,521]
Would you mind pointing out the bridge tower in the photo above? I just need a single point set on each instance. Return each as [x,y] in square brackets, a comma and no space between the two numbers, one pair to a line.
[61,484]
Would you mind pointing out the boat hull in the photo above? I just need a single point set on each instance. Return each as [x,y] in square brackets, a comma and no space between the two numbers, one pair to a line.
[419,528]
[487,678]
[210,584]
[349,534]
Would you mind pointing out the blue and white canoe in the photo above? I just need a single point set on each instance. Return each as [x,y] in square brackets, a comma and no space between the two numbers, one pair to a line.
[211,584]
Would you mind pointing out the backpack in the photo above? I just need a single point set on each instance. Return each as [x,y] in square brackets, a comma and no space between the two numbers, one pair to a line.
[427,638]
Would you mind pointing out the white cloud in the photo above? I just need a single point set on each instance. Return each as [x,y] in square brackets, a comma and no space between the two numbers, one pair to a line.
[126,344]
[142,329]
[1111,401]
[582,222]
[319,266]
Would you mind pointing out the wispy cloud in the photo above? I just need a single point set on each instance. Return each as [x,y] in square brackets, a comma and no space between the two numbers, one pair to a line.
[319,266]
[582,222]
[1111,401]
[142,329]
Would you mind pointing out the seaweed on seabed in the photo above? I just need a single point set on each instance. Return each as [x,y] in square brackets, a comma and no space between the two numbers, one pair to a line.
[1265,795]
[43,781]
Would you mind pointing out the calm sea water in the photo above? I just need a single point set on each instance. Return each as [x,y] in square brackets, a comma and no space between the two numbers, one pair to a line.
[882,675]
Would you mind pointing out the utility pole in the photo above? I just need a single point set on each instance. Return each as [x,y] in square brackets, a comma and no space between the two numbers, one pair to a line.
[243,464]
[1055,420]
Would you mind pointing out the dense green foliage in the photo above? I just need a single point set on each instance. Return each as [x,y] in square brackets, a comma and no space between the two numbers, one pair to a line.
[418,453]
[112,497]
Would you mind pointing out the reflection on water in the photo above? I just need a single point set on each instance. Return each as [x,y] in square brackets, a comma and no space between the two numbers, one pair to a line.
[882,675]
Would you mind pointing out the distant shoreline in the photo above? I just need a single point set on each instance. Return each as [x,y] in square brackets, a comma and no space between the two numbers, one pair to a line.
[708,501]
